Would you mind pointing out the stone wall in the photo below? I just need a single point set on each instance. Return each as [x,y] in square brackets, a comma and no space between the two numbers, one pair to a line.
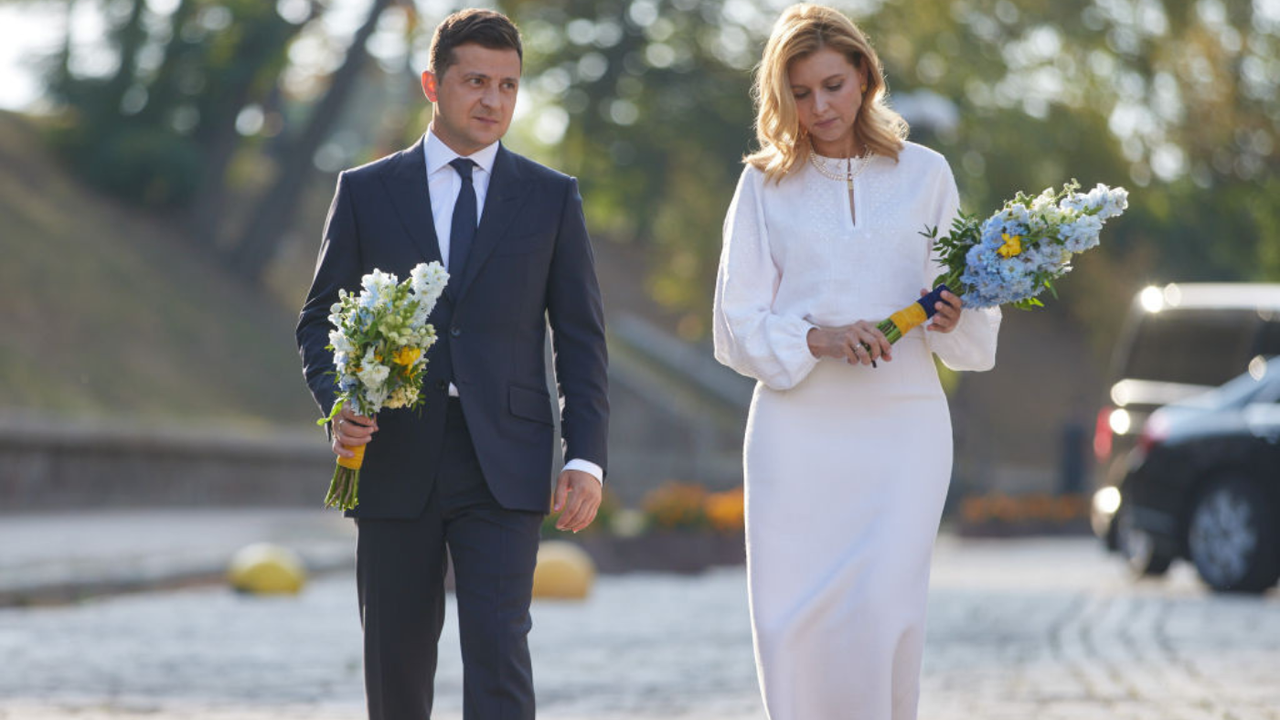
[56,464]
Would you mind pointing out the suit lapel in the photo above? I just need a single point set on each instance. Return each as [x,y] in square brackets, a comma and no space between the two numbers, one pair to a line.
[506,192]
[405,180]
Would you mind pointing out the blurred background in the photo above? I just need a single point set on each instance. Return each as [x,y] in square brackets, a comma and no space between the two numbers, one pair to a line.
[166,167]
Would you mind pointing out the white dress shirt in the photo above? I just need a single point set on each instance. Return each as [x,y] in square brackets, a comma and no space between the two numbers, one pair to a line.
[444,184]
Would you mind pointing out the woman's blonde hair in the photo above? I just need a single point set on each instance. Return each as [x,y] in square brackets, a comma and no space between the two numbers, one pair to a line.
[801,31]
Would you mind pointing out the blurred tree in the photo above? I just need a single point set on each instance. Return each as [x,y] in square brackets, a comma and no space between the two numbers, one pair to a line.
[647,101]
[1167,97]
[275,209]
[158,128]
[238,67]
[185,99]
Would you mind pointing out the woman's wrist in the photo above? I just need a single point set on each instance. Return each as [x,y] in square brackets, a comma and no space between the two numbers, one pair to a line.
[814,339]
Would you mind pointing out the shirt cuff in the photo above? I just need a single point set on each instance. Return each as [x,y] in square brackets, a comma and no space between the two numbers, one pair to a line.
[587,467]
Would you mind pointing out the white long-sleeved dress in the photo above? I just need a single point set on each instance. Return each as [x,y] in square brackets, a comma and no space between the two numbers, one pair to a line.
[846,466]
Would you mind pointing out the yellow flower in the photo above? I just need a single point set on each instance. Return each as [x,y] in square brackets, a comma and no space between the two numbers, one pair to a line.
[406,356]
[1012,245]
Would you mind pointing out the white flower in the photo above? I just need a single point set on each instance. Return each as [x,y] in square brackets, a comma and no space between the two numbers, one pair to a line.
[373,374]
[428,281]
[340,342]
[374,398]
[1114,201]
[379,288]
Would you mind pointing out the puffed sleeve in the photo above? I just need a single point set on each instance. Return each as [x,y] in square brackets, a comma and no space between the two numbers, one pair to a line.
[749,336]
[972,344]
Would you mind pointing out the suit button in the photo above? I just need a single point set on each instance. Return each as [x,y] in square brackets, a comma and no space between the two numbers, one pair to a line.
[455,332]
[442,384]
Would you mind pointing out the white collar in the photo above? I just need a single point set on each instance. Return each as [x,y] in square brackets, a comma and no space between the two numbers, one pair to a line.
[438,154]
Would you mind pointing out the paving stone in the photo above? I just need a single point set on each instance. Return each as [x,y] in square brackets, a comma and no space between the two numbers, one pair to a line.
[1019,629]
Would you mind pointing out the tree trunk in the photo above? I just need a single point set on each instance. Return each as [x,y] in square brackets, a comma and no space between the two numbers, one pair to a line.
[61,79]
[275,210]
[129,37]
[258,54]
[179,53]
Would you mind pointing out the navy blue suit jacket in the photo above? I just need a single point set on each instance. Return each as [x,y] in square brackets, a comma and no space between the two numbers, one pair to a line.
[530,263]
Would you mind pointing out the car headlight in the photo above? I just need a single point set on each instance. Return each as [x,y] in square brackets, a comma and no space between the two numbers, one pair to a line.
[1120,421]
[1106,501]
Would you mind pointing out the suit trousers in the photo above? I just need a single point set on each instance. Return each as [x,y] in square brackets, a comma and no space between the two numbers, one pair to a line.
[400,572]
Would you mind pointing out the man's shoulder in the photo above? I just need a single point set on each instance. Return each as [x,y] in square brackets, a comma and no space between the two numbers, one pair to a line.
[536,171]
[373,168]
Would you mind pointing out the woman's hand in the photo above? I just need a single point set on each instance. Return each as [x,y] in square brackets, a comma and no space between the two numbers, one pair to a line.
[948,315]
[860,342]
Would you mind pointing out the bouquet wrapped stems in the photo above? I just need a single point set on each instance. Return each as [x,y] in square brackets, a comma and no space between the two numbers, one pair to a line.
[912,316]
[344,488]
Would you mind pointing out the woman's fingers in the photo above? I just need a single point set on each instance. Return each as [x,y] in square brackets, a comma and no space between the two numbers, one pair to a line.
[876,344]
[948,313]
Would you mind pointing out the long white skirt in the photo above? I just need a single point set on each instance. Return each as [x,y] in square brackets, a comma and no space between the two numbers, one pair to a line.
[846,475]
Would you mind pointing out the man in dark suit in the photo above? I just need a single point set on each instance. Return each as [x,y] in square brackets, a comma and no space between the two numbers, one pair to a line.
[470,473]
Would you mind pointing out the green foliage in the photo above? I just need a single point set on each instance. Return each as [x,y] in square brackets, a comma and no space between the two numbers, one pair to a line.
[656,93]
[154,168]
[1167,98]
[151,130]
[1176,99]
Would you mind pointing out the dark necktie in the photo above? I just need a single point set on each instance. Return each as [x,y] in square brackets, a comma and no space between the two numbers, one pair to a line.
[463,229]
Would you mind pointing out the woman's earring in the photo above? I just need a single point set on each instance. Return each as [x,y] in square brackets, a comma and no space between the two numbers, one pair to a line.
[864,87]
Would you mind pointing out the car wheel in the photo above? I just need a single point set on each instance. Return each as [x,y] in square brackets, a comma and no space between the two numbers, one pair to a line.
[1231,537]
[1139,549]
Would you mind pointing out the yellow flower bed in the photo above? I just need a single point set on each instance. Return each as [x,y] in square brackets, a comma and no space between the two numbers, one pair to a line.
[688,506]
[726,510]
[1034,508]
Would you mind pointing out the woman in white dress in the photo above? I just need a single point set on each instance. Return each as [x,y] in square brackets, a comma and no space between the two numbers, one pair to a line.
[848,443]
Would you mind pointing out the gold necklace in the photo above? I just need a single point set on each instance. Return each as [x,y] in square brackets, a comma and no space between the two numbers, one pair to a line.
[849,169]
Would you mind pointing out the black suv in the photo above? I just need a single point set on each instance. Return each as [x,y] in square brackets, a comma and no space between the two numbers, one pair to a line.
[1178,340]
[1204,483]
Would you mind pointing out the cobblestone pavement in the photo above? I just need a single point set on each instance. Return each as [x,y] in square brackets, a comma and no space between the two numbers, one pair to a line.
[1027,629]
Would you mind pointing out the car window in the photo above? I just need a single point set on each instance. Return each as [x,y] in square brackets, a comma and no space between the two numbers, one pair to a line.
[1268,336]
[1196,346]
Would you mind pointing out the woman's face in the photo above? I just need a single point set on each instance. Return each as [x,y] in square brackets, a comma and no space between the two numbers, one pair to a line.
[828,93]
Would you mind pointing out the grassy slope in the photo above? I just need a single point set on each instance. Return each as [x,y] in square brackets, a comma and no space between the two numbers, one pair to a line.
[105,310]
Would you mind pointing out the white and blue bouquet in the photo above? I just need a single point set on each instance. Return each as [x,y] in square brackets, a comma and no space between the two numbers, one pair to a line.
[379,342]
[1016,254]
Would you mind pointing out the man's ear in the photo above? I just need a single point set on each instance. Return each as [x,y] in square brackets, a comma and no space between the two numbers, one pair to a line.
[429,85]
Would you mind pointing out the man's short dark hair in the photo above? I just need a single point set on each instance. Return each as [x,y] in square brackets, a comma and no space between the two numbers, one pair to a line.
[485,28]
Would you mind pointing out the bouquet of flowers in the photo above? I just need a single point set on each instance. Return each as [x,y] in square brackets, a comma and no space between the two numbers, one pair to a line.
[379,343]
[1014,255]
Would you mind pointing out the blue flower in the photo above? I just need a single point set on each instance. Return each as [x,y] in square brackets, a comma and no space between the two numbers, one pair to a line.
[1051,228]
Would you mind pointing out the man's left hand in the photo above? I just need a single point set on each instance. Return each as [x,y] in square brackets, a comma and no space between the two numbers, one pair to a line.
[577,498]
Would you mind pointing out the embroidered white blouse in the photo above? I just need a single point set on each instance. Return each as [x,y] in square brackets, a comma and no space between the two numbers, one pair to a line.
[793,259]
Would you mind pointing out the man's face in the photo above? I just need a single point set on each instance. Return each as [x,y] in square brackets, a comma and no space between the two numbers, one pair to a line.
[474,98]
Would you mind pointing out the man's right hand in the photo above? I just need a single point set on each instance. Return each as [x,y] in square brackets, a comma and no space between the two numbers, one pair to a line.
[351,430]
